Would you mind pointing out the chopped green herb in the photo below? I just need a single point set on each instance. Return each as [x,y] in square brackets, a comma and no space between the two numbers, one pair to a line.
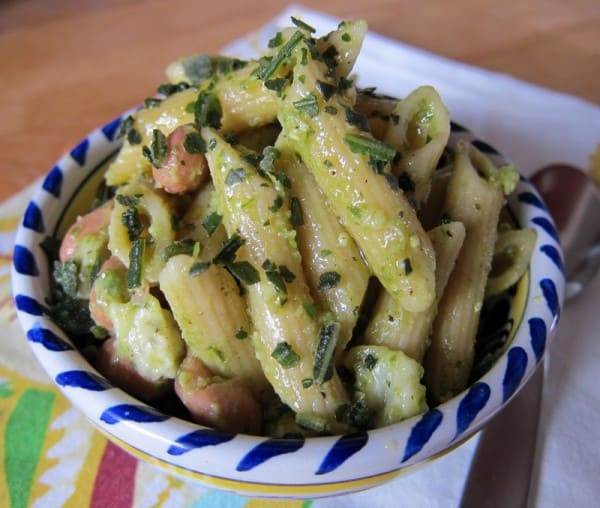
[286,273]
[328,337]
[268,67]
[307,382]
[407,266]
[185,246]
[241,334]
[199,267]
[327,90]
[136,261]
[234,176]
[346,37]
[197,68]
[218,352]
[308,104]
[212,144]
[277,204]
[130,218]
[376,149]
[370,361]
[276,279]
[310,309]
[332,110]
[328,280]
[124,127]
[276,40]
[207,110]
[211,222]
[285,355]
[344,84]
[325,252]
[134,137]
[158,148]
[167,89]
[296,217]
[152,102]
[277,85]
[194,143]
[304,26]
[244,272]
[229,249]
[357,119]
[405,182]
[125,200]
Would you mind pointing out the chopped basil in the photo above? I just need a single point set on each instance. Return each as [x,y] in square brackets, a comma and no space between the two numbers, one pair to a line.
[197,68]
[167,89]
[328,337]
[407,266]
[307,382]
[229,249]
[267,162]
[125,200]
[297,217]
[370,361]
[327,90]
[286,273]
[308,104]
[186,246]
[277,204]
[357,119]
[207,110]
[285,355]
[244,272]
[234,176]
[310,309]
[268,67]
[276,40]
[241,334]
[277,85]
[130,218]
[199,267]
[276,279]
[152,102]
[211,222]
[158,148]
[346,37]
[376,149]
[134,137]
[344,84]
[125,125]
[332,110]
[301,24]
[194,143]
[328,280]
[136,260]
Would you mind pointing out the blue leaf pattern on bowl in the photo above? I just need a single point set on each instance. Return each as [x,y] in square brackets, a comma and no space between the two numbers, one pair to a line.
[342,450]
[53,182]
[547,226]
[531,199]
[538,333]
[29,305]
[79,153]
[48,339]
[551,296]
[473,402]
[111,128]
[422,432]
[515,370]
[552,252]
[198,439]
[24,261]
[33,218]
[131,413]
[267,450]
[83,379]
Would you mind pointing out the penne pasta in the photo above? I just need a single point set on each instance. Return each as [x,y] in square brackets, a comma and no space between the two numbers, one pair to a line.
[286,329]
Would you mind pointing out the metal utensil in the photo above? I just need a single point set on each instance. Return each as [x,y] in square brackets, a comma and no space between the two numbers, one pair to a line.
[502,474]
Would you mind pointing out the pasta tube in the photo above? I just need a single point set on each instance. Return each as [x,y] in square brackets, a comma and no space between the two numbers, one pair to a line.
[287,334]
[399,329]
[335,270]
[476,202]
[211,314]
[245,102]
[348,166]
[419,129]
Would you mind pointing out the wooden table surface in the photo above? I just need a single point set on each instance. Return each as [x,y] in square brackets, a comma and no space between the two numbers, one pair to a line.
[68,66]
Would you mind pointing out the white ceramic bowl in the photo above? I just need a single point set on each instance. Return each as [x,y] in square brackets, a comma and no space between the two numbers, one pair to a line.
[264,466]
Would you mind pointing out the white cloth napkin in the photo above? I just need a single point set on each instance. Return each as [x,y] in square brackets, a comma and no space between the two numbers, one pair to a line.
[531,126]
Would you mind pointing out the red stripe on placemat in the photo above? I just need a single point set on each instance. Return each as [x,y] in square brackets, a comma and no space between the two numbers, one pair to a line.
[115,481]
